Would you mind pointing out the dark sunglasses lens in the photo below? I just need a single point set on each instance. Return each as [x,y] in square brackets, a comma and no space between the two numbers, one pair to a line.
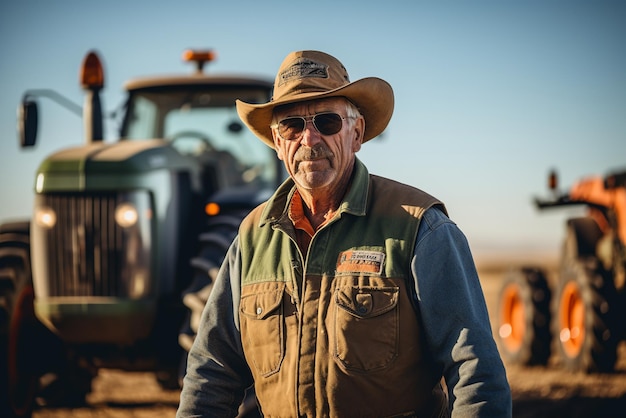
[291,128]
[328,123]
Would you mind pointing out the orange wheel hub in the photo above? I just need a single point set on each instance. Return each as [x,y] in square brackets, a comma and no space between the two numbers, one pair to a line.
[572,320]
[512,318]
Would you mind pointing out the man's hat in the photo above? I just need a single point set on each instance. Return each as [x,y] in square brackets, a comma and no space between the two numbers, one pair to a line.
[310,75]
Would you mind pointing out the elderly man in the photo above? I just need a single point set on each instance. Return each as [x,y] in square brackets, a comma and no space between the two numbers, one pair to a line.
[345,294]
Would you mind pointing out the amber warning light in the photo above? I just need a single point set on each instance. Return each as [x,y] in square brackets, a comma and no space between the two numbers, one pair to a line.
[553,180]
[199,57]
[91,72]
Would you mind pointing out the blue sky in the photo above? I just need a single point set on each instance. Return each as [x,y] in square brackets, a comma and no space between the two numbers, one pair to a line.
[489,94]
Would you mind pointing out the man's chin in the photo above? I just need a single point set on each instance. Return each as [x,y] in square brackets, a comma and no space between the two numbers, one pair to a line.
[312,180]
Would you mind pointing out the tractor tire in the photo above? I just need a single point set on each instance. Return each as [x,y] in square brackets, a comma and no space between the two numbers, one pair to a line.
[28,350]
[523,317]
[213,246]
[18,376]
[584,317]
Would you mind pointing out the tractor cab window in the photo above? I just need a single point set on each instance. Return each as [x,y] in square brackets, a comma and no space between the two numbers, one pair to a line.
[203,123]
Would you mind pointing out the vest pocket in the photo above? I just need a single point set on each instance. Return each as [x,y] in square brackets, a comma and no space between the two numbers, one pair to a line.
[261,317]
[366,327]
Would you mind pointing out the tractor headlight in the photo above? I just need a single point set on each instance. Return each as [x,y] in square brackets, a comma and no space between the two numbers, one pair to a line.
[45,217]
[126,215]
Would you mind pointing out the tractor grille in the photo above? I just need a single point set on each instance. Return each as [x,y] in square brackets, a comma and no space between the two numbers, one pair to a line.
[86,252]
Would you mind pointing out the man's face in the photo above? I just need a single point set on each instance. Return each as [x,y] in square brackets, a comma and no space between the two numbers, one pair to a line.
[318,162]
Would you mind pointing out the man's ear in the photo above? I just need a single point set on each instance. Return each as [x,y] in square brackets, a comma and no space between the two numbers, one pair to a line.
[359,130]
[277,147]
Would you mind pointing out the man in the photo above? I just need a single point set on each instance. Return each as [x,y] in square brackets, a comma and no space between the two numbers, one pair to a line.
[346,294]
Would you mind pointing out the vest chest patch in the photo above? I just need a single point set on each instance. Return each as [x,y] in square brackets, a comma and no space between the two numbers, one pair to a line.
[360,262]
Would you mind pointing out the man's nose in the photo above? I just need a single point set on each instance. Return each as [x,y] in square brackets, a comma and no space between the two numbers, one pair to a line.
[310,134]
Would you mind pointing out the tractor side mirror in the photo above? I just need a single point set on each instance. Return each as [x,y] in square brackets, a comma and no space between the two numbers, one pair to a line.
[27,121]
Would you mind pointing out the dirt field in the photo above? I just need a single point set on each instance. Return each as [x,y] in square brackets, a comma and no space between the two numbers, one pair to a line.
[537,392]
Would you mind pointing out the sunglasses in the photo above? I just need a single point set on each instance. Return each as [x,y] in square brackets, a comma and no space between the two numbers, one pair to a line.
[292,128]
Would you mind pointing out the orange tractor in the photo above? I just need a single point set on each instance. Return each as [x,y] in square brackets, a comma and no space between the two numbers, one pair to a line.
[580,319]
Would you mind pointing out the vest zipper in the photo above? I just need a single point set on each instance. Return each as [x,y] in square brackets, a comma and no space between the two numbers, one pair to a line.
[296,270]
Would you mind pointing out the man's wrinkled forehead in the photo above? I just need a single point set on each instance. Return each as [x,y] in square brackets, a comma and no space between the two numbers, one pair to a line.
[310,106]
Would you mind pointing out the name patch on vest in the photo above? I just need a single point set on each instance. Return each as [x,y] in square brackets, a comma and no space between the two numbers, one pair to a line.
[360,261]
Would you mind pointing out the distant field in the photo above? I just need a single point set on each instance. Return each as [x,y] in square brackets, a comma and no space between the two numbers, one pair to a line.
[499,260]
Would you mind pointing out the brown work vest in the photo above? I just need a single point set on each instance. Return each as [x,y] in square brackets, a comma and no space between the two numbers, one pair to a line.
[336,334]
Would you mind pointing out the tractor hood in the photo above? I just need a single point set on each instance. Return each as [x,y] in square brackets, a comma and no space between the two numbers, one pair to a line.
[100,165]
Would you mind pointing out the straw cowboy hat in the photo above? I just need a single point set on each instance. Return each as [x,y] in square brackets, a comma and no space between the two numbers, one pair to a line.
[310,75]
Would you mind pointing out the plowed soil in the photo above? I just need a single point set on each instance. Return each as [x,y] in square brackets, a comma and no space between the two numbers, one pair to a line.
[537,392]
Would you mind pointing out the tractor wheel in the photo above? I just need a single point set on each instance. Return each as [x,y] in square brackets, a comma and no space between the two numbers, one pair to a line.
[584,315]
[28,350]
[523,318]
[214,244]
[212,247]
[18,378]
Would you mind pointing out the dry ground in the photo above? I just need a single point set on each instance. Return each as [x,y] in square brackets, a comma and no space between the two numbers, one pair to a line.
[537,392]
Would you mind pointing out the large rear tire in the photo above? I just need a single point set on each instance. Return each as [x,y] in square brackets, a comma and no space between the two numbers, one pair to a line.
[28,350]
[584,315]
[523,317]
[585,310]
[18,377]
[213,245]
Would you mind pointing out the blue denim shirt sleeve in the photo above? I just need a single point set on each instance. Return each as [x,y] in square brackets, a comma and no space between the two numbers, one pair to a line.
[217,373]
[456,321]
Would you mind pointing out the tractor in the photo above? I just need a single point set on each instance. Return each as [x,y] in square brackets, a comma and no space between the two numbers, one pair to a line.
[573,318]
[114,265]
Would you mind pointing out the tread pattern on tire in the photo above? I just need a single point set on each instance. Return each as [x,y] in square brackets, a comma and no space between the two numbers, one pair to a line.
[535,294]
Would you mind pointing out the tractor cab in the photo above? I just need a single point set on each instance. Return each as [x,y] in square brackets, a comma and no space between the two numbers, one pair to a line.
[196,115]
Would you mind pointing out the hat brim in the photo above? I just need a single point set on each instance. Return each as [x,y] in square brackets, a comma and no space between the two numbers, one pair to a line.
[373,97]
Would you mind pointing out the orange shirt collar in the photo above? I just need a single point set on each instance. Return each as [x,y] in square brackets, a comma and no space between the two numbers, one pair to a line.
[297,216]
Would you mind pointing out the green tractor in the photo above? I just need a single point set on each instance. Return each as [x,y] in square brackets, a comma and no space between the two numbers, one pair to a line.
[114,266]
